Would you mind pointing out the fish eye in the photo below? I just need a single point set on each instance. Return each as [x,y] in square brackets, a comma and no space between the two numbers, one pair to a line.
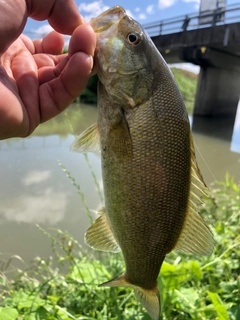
[134,38]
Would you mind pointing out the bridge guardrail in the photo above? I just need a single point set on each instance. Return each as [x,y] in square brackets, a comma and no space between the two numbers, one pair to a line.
[194,21]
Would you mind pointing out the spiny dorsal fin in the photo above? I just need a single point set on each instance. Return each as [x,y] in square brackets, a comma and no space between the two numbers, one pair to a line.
[88,140]
[195,236]
[149,298]
[100,236]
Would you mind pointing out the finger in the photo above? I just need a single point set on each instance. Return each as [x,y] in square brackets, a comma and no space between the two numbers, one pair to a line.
[52,43]
[83,39]
[63,15]
[26,76]
[57,94]
[28,43]
[13,16]
[76,73]
[48,60]
[51,69]
[14,121]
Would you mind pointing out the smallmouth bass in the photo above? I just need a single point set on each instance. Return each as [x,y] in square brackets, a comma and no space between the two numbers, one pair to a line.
[152,183]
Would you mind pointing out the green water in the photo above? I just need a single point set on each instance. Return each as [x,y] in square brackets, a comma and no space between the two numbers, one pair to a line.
[35,190]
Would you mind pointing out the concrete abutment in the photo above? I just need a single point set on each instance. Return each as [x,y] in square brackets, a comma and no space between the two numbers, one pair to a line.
[217,92]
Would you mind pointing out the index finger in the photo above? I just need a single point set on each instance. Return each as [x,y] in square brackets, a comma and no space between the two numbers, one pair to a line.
[62,15]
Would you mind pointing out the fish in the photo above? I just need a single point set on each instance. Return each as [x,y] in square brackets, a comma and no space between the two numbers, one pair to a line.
[152,184]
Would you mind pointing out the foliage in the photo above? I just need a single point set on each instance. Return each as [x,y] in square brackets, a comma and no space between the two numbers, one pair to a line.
[187,82]
[89,95]
[191,287]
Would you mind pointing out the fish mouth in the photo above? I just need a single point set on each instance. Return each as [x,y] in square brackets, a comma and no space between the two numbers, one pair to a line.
[106,19]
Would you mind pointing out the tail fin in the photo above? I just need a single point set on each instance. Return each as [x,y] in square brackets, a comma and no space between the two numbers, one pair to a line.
[150,299]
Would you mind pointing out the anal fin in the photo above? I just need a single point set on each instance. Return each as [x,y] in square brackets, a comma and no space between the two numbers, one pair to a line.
[100,236]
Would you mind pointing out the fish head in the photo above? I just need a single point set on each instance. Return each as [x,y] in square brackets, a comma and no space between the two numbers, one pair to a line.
[124,58]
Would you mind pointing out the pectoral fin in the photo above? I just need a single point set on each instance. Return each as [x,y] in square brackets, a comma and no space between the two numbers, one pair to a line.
[88,140]
[195,236]
[100,236]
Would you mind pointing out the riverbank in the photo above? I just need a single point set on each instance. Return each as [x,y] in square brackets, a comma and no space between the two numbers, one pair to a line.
[191,287]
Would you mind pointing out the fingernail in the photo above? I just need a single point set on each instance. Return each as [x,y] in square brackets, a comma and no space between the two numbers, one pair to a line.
[91,61]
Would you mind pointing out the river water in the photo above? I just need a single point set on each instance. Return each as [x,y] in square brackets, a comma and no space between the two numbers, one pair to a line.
[35,190]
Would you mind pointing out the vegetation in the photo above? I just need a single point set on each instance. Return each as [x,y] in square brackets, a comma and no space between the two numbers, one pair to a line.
[187,82]
[66,287]
[89,95]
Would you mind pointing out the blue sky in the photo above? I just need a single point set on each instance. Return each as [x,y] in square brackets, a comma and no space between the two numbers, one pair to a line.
[143,11]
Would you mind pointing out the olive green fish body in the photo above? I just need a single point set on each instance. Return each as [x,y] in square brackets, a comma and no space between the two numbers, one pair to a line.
[151,180]
[146,185]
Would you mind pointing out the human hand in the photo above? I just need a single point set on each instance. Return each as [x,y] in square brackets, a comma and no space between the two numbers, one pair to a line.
[37,82]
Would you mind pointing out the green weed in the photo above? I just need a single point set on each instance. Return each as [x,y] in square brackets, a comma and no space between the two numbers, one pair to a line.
[66,286]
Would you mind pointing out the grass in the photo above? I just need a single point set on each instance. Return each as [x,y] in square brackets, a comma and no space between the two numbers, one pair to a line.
[65,286]
[187,82]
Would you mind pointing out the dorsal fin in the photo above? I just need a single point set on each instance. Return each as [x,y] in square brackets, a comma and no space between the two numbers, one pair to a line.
[195,236]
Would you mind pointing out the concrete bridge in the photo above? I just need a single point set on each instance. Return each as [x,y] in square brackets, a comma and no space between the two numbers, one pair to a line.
[211,41]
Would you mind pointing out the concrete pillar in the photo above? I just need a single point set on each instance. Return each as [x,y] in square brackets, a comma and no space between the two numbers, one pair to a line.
[217,127]
[218,92]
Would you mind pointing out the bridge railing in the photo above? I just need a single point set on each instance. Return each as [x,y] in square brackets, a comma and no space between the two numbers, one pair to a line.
[194,21]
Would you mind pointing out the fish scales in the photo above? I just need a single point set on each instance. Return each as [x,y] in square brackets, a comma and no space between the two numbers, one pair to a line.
[152,184]
[151,194]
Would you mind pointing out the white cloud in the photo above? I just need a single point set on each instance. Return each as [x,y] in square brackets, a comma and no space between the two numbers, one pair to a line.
[137,9]
[93,9]
[43,30]
[130,14]
[36,177]
[142,16]
[47,207]
[196,3]
[150,9]
[165,3]
[197,6]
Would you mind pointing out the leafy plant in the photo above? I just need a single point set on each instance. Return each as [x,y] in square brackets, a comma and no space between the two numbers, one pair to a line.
[66,287]
[187,82]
